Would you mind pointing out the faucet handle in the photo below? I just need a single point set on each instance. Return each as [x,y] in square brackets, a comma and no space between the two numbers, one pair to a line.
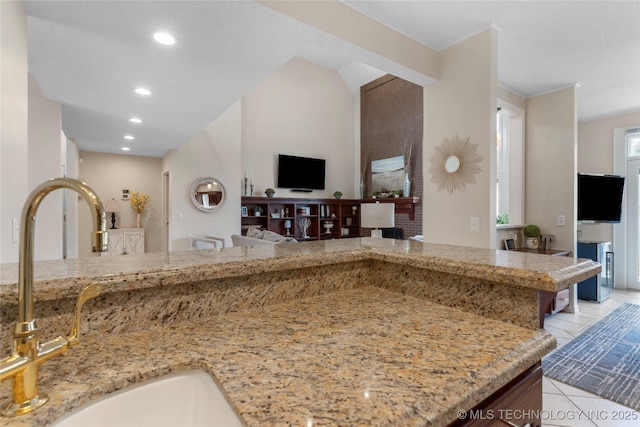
[90,291]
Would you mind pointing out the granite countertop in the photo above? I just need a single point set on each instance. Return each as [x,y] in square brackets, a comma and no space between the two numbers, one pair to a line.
[56,279]
[365,356]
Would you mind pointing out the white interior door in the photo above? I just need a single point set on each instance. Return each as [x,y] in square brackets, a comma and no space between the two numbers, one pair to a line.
[633,224]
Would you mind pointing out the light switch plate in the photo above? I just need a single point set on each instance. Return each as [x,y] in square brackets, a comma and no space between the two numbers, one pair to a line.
[560,220]
[474,224]
[15,230]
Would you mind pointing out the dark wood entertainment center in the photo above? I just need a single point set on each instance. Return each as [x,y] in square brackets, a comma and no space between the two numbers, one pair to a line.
[275,211]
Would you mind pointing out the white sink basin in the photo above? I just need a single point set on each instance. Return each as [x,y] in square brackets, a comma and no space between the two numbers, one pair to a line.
[184,399]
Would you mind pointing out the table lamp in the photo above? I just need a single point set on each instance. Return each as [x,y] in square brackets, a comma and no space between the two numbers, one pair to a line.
[113,206]
[377,215]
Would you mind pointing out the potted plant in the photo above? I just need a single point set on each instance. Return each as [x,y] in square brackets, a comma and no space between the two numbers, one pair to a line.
[337,194]
[532,233]
[397,193]
[374,194]
[269,192]
[257,211]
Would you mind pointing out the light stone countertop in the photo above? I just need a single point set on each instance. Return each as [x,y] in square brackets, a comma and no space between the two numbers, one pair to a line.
[365,356]
[308,358]
[65,278]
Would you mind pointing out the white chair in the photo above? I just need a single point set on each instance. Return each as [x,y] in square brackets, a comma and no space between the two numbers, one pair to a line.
[202,241]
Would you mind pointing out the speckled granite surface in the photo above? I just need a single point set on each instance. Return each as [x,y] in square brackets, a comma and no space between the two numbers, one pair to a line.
[365,356]
[308,321]
[56,279]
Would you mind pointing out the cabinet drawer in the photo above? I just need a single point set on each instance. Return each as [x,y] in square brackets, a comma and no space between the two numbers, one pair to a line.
[514,402]
[561,300]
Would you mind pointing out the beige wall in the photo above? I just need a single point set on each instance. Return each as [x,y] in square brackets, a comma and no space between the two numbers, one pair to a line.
[108,175]
[394,52]
[511,98]
[214,152]
[45,162]
[303,110]
[595,155]
[551,160]
[463,102]
[14,119]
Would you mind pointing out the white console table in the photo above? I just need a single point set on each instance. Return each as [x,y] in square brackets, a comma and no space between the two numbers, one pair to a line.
[125,241]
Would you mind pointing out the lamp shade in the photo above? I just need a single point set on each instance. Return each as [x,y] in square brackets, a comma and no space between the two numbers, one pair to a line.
[112,206]
[377,215]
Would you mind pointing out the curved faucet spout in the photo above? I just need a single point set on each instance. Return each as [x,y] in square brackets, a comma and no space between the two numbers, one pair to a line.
[28,353]
[99,239]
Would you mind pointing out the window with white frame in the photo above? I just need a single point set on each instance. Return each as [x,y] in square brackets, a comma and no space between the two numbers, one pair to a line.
[510,164]
[633,143]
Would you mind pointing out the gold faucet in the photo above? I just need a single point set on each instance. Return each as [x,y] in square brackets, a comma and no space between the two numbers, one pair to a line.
[28,353]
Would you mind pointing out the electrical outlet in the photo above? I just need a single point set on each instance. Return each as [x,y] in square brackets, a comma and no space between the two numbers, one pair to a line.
[474,224]
[560,220]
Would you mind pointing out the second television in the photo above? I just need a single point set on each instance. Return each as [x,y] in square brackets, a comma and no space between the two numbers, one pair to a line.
[301,173]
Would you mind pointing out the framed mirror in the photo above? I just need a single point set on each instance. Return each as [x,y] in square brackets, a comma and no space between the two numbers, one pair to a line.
[452,164]
[207,194]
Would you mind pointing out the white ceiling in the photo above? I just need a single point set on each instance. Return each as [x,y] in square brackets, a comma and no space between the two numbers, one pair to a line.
[90,56]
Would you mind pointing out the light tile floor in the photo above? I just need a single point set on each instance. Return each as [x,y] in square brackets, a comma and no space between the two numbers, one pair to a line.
[568,406]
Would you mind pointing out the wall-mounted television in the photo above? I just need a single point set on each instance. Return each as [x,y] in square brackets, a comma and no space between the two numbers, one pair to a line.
[600,198]
[300,173]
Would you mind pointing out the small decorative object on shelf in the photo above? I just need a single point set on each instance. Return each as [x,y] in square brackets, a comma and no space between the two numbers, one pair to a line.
[257,211]
[139,203]
[532,232]
[328,225]
[337,194]
[406,185]
[269,192]
[354,209]
[246,185]
[287,226]
[407,150]
[305,223]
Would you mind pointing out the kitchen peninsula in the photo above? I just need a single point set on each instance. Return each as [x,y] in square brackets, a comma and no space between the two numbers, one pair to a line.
[338,332]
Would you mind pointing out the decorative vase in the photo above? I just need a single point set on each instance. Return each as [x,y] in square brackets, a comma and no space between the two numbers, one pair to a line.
[138,221]
[406,185]
[532,242]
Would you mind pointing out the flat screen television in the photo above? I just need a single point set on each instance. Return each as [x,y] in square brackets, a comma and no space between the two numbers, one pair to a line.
[300,173]
[600,198]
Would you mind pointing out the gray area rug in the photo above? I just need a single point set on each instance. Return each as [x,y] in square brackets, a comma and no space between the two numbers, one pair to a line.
[604,360]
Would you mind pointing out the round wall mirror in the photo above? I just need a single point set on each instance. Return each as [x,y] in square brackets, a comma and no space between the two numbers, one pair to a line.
[452,164]
[207,194]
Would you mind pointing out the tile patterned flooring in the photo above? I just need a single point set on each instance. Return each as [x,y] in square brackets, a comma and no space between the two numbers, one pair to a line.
[568,406]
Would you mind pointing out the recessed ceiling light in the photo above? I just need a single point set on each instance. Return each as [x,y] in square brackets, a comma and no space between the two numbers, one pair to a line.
[135,120]
[143,91]
[164,38]
[130,137]
[125,148]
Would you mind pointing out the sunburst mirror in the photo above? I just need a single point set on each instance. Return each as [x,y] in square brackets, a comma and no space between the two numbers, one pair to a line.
[454,164]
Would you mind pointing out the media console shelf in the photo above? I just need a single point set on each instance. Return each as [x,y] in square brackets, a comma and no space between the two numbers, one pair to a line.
[341,216]
[328,218]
